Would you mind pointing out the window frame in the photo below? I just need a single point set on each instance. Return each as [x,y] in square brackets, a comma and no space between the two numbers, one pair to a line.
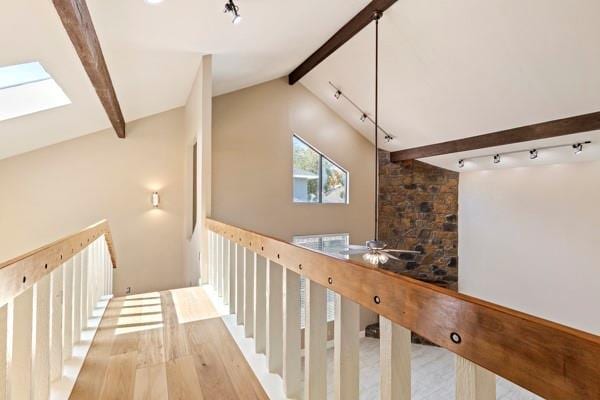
[320,185]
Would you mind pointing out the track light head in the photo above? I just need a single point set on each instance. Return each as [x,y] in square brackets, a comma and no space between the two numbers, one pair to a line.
[461,163]
[578,147]
[230,7]
[363,117]
[497,159]
[533,154]
[388,138]
[337,94]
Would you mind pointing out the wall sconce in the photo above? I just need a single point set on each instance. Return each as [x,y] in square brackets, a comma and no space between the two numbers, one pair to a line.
[155,199]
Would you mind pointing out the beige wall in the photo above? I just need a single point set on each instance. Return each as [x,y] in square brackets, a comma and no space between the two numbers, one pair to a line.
[252,163]
[57,190]
[529,240]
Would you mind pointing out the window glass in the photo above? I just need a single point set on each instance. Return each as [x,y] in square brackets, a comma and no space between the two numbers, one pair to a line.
[306,173]
[317,179]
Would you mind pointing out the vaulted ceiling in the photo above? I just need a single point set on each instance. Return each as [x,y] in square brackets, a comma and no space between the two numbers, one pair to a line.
[153,52]
[452,69]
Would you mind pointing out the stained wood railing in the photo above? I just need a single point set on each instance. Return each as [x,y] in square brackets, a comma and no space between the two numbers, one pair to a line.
[259,278]
[47,298]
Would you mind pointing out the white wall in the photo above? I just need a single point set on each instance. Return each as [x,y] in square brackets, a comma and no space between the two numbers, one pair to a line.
[529,239]
[57,190]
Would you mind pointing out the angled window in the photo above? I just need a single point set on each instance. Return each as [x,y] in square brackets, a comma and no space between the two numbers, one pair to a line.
[26,89]
[316,178]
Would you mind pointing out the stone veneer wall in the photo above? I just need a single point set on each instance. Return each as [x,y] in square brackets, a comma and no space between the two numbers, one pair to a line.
[418,211]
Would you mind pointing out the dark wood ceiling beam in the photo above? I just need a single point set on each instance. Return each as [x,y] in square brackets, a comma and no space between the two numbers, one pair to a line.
[76,19]
[544,130]
[355,25]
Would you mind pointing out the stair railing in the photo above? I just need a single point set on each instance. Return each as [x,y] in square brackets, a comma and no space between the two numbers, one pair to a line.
[47,298]
[258,277]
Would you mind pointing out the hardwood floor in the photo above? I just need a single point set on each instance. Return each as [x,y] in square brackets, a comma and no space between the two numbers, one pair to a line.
[167,345]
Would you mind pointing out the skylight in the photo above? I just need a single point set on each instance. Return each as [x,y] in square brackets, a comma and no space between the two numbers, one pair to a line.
[26,89]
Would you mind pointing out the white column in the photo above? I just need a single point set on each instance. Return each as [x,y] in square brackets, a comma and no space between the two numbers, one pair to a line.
[291,334]
[249,293]
[346,349]
[225,280]
[68,311]
[3,351]
[274,318]
[260,303]
[41,352]
[76,298]
[56,326]
[22,339]
[474,382]
[239,283]
[394,346]
[232,272]
[315,342]
[85,257]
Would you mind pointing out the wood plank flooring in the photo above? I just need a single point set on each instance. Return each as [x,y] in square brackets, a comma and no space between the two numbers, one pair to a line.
[167,345]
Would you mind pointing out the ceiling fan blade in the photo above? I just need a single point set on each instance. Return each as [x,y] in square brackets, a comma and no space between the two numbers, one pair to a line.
[402,251]
[392,257]
[349,252]
[357,247]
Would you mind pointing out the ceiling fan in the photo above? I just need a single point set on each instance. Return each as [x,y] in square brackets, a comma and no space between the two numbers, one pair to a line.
[376,251]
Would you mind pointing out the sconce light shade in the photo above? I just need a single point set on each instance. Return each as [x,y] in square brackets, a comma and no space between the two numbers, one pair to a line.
[155,199]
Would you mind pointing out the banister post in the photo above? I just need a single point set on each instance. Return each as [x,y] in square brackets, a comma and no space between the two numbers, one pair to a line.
[315,342]
[68,311]
[274,317]
[346,349]
[249,293]
[239,284]
[260,303]
[226,272]
[474,382]
[41,357]
[291,334]
[3,351]
[22,336]
[56,347]
[232,276]
[395,353]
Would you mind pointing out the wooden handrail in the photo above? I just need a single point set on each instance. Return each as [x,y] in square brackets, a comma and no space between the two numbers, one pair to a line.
[20,273]
[549,359]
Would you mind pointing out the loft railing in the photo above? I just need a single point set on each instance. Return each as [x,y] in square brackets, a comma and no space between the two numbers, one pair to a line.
[47,298]
[259,278]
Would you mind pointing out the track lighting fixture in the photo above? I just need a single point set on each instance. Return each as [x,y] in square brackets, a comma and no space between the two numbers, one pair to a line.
[533,154]
[230,7]
[337,94]
[363,117]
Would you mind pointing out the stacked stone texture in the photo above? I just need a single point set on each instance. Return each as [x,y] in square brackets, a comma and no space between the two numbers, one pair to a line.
[418,208]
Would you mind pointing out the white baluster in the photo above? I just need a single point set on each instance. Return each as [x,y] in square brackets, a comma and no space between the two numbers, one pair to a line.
[225,281]
[315,342]
[291,334]
[3,351]
[22,340]
[232,272]
[239,284]
[91,278]
[474,382]
[68,311]
[85,257]
[220,266]
[41,352]
[260,303]
[274,317]
[249,293]
[346,349]
[394,357]
[210,256]
[76,298]
[56,326]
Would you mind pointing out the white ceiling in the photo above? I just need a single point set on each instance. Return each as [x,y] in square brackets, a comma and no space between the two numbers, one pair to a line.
[452,69]
[153,52]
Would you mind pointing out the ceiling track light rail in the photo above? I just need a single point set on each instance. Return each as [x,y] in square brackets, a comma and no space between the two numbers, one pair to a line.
[533,153]
[363,115]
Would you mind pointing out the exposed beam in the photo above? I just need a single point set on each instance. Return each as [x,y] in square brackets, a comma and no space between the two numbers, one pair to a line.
[355,25]
[543,130]
[77,21]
